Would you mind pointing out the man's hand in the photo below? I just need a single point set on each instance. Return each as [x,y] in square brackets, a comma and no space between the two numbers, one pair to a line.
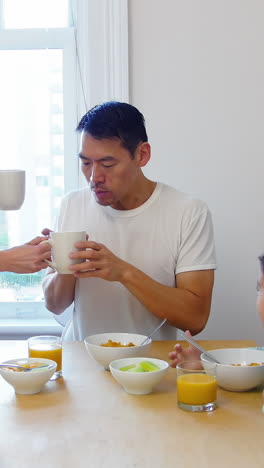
[97,262]
[46,231]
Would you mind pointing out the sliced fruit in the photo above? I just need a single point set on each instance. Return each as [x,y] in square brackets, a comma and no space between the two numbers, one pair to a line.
[138,368]
[126,368]
[149,366]
[144,366]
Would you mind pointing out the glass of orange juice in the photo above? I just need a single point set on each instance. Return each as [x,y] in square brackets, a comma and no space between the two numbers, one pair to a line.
[196,385]
[48,347]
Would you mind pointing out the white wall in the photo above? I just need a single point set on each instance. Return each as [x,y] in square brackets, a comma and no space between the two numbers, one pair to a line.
[197,74]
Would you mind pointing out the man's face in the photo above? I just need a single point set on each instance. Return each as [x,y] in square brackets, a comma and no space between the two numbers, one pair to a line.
[110,171]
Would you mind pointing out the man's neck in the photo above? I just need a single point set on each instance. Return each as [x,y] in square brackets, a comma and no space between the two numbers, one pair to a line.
[141,194]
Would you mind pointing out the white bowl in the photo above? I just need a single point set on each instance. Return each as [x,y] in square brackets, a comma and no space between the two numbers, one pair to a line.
[104,355]
[238,378]
[27,383]
[138,383]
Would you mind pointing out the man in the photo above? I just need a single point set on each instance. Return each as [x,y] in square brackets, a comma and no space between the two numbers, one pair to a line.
[27,258]
[150,250]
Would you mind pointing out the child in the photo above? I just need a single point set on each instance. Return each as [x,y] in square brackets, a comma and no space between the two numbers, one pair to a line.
[260,289]
[186,354]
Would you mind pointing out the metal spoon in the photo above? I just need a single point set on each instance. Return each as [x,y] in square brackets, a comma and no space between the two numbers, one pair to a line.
[25,369]
[154,331]
[192,342]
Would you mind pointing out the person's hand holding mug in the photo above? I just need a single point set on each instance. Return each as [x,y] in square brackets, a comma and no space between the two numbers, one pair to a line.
[27,258]
[46,232]
[62,244]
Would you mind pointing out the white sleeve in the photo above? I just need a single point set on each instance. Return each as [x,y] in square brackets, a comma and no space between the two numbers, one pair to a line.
[63,217]
[197,250]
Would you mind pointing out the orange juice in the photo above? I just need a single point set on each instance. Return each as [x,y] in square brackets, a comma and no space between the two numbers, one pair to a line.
[196,388]
[47,351]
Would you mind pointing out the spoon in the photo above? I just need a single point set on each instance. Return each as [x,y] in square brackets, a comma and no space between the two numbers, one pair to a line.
[154,331]
[192,342]
[25,369]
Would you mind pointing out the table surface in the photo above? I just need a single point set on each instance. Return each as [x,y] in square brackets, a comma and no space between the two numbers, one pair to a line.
[86,419]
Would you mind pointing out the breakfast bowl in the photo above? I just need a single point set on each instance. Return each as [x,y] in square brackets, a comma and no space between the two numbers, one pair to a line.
[138,375]
[28,382]
[107,347]
[241,369]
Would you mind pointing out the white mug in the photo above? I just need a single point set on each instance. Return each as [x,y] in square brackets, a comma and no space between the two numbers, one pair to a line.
[12,189]
[62,243]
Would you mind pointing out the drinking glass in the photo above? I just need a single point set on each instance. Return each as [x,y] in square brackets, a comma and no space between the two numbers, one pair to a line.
[196,385]
[48,347]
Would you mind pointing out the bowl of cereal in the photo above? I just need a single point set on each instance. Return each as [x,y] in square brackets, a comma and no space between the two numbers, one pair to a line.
[30,377]
[107,347]
[241,369]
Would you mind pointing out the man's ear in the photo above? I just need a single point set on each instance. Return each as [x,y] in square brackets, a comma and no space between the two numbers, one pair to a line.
[143,154]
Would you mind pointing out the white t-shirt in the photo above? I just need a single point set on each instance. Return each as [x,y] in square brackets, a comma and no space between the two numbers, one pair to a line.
[169,234]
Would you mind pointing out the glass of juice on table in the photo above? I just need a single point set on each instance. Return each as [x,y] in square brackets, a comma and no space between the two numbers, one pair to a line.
[196,386]
[48,347]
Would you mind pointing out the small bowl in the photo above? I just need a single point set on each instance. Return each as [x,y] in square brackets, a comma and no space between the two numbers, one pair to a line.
[27,383]
[104,355]
[138,383]
[238,378]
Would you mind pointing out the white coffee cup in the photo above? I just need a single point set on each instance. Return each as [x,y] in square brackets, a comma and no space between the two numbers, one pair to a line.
[62,244]
[12,189]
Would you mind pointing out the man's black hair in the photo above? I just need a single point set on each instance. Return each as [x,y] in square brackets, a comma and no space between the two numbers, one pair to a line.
[115,120]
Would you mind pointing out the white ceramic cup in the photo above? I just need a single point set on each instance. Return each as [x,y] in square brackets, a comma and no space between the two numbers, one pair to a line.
[12,189]
[62,244]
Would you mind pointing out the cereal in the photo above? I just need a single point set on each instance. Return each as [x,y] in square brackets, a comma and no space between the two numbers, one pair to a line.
[116,344]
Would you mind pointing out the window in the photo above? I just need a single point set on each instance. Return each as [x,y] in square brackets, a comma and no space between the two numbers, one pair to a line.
[26,14]
[58,58]
[37,120]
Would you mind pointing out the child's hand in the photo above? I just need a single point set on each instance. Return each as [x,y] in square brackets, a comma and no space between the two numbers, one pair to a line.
[184,354]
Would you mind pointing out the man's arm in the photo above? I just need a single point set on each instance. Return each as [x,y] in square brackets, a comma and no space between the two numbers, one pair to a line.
[186,306]
[58,291]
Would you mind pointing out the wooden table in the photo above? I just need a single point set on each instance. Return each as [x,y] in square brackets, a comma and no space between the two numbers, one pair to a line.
[86,420]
